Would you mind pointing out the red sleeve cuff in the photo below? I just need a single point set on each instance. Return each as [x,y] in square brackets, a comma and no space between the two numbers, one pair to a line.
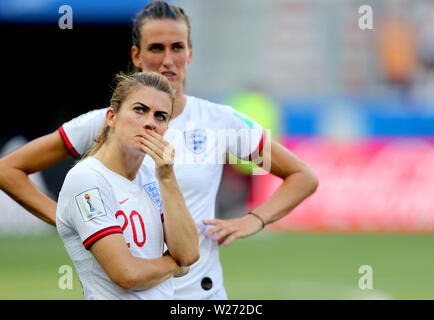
[67,143]
[259,148]
[101,234]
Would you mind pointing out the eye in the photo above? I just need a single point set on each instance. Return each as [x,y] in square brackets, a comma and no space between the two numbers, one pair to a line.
[160,116]
[178,47]
[156,47]
[139,109]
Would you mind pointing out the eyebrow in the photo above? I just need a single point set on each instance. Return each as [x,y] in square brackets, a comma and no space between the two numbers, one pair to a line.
[161,44]
[154,44]
[143,105]
[146,107]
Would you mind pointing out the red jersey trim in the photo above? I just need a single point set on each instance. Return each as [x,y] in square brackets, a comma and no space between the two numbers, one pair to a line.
[259,148]
[101,234]
[67,143]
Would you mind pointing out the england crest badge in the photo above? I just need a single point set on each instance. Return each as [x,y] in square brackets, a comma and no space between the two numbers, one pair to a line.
[195,140]
[153,191]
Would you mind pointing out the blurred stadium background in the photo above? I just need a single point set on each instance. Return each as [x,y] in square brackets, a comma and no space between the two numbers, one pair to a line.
[356,105]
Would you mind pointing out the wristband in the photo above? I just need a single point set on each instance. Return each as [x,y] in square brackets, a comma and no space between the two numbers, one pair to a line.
[263,223]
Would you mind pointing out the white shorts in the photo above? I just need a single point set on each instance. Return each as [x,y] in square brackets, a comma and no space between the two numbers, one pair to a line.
[219,294]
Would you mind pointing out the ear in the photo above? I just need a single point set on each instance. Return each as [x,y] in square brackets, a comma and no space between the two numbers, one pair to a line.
[190,55]
[110,117]
[135,57]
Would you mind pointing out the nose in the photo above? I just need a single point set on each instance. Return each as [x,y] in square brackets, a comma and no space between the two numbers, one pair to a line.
[167,59]
[149,123]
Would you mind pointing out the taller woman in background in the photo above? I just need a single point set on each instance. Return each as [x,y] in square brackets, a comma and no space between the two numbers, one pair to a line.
[162,43]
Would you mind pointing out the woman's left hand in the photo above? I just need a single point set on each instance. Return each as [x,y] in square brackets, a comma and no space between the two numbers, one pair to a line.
[161,151]
[227,231]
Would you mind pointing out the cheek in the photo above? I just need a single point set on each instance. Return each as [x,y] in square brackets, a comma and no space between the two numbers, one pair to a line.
[161,128]
[181,62]
[151,62]
[129,126]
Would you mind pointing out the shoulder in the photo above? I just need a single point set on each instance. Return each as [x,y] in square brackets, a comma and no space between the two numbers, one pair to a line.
[209,109]
[221,115]
[196,102]
[83,168]
[86,174]
[88,117]
[79,133]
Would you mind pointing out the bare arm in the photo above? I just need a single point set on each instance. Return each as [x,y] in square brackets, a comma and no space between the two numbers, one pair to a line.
[180,231]
[181,234]
[128,271]
[299,182]
[35,156]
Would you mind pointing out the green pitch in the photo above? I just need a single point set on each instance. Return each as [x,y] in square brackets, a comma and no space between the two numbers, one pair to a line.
[265,266]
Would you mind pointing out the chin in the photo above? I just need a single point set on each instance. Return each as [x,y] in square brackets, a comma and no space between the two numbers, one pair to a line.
[140,152]
[136,149]
[174,84]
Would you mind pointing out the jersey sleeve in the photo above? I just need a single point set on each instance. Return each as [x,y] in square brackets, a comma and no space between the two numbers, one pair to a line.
[90,209]
[80,133]
[247,138]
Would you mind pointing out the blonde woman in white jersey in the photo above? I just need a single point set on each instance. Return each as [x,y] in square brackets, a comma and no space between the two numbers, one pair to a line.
[161,43]
[113,229]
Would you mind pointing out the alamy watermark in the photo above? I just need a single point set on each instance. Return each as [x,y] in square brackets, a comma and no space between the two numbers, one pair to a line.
[366,281]
[210,146]
[66,20]
[366,20]
[65,280]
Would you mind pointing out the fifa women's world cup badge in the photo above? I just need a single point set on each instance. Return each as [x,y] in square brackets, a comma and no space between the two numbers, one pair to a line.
[195,141]
[90,204]
[87,197]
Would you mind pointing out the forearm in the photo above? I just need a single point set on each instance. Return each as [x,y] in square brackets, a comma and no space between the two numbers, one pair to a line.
[298,183]
[145,274]
[19,187]
[35,156]
[181,233]
[294,189]
[128,271]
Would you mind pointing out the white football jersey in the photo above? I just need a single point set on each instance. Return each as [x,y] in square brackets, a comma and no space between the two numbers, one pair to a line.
[202,135]
[95,202]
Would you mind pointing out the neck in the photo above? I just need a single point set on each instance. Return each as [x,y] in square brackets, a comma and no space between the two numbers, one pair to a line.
[179,104]
[119,160]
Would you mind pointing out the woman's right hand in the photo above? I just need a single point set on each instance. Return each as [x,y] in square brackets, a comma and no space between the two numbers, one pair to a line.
[162,152]
[182,271]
